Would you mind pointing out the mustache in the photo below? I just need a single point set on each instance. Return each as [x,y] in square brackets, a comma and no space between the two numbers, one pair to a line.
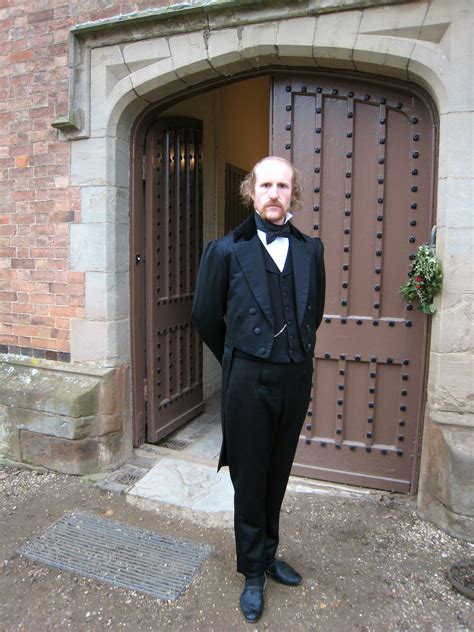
[272,204]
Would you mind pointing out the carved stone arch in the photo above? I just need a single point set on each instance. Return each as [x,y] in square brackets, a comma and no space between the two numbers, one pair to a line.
[418,45]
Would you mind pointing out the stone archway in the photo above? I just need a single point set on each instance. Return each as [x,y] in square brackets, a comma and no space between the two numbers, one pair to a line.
[122,72]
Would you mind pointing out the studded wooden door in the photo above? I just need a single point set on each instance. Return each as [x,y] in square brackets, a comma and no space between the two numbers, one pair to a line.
[173,245]
[366,151]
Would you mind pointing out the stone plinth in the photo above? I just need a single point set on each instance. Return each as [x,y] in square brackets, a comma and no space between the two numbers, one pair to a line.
[446,495]
[65,417]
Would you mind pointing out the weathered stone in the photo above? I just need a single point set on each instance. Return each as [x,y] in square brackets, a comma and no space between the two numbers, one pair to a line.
[82,456]
[189,56]
[455,196]
[258,43]
[393,19]
[385,55]
[159,78]
[451,382]
[295,39]
[455,249]
[88,162]
[61,416]
[223,48]
[456,150]
[100,341]
[139,54]
[47,423]
[447,478]
[107,295]
[9,436]
[104,205]
[452,326]
[53,391]
[335,37]
[112,390]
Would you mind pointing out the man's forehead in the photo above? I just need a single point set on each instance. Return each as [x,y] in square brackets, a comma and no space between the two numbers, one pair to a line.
[273,168]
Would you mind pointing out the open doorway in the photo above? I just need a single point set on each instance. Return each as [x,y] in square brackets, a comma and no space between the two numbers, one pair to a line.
[366,148]
[219,135]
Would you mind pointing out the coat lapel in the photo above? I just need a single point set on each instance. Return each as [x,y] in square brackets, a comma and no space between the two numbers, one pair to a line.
[301,259]
[250,256]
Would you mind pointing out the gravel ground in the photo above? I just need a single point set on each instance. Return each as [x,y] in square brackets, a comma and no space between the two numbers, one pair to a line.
[369,564]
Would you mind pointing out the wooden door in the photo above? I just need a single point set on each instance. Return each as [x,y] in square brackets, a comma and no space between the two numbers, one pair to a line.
[173,201]
[366,151]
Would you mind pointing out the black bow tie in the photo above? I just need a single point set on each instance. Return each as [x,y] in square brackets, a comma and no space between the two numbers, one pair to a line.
[272,230]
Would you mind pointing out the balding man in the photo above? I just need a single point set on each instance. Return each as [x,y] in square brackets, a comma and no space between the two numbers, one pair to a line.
[259,301]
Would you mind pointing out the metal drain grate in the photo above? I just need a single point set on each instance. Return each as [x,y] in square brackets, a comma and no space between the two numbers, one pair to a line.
[174,444]
[119,554]
[127,475]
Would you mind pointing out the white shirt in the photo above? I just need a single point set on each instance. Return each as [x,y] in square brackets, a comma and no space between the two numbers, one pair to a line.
[278,249]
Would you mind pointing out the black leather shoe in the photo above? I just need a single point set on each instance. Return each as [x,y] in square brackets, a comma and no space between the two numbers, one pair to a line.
[283,573]
[251,599]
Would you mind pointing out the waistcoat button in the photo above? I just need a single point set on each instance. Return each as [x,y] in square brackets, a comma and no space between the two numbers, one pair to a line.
[252,310]
[257,331]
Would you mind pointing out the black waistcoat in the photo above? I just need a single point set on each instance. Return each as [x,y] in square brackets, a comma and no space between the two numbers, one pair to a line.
[287,346]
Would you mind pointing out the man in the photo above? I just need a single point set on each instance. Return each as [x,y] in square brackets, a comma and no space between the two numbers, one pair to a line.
[259,300]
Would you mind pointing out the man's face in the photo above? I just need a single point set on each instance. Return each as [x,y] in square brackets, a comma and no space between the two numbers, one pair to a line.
[273,190]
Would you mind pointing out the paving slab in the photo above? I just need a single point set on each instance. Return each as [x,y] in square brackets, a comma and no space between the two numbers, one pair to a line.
[187,484]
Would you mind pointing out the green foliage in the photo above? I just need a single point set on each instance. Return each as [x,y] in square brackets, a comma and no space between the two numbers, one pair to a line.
[425,279]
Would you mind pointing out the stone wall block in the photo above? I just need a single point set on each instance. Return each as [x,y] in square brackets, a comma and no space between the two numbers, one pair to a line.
[31,388]
[189,56]
[455,197]
[63,417]
[47,423]
[88,247]
[160,76]
[88,340]
[295,39]
[107,70]
[458,45]
[393,18]
[429,67]
[387,55]
[456,144]
[447,478]
[455,249]
[88,162]
[257,44]
[143,53]
[9,436]
[223,49]
[452,325]
[69,457]
[99,247]
[107,295]
[120,92]
[334,38]
[100,341]
[107,424]
[112,391]
[451,382]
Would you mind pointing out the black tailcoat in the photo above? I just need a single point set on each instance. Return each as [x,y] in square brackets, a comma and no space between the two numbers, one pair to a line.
[232,307]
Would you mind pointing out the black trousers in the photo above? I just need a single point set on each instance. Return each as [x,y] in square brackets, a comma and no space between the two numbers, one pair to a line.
[265,406]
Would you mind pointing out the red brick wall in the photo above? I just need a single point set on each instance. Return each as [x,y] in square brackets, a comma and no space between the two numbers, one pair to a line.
[39,294]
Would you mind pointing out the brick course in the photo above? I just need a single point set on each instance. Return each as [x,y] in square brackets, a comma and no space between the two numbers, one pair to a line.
[38,293]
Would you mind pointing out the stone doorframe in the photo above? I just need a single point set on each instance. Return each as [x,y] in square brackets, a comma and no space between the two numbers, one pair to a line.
[122,66]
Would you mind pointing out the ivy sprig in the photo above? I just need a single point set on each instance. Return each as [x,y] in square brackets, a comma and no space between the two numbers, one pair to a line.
[425,279]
